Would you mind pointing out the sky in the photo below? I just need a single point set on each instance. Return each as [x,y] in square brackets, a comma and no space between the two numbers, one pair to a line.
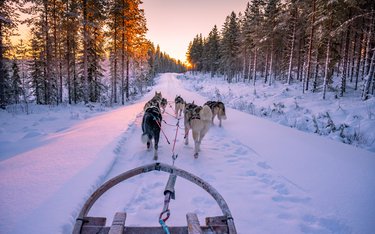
[174,23]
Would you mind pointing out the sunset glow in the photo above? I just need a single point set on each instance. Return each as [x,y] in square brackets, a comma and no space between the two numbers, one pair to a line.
[174,23]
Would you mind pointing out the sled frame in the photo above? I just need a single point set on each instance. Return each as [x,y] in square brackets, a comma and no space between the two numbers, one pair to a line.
[223,224]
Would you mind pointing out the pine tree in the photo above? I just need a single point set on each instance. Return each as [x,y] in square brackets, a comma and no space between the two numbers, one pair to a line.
[213,45]
[230,46]
[16,82]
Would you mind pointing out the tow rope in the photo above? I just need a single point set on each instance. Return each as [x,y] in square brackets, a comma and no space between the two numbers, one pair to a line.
[168,194]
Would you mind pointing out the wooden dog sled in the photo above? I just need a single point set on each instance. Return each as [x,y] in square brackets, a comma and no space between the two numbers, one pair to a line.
[214,225]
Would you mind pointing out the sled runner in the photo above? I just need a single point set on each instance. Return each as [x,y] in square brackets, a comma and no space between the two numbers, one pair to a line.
[219,224]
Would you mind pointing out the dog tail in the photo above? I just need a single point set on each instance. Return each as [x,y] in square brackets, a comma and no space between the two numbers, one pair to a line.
[206,113]
[145,138]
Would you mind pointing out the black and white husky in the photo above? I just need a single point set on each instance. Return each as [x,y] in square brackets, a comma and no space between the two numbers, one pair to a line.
[151,124]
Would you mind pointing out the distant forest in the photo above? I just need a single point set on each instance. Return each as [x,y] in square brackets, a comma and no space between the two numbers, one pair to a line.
[324,45]
[80,51]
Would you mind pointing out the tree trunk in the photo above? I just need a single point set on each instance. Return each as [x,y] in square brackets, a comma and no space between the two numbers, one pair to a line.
[85,54]
[2,70]
[249,68]
[325,81]
[353,56]
[127,76]
[68,38]
[55,48]
[310,48]
[255,66]
[315,84]
[266,69]
[359,56]
[123,56]
[271,66]
[345,64]
[291,54]
[47,58]
[114,86]
[368,78]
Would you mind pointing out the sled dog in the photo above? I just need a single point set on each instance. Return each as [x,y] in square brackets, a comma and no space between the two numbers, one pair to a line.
[179,105]
[163,104]
[198,119]
[155,101]
[218,109]
[151,124]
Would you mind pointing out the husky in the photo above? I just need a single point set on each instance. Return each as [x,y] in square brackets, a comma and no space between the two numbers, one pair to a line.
[163,104]
[179,105]
[155,101]
[218,109]
[198,119]
[151,124]
[157,97]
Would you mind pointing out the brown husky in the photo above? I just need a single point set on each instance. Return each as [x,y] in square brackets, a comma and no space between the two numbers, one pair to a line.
[179,105]
[198,119]
[218,109]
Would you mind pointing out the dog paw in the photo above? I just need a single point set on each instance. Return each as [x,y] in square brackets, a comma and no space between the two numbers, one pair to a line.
[196,155]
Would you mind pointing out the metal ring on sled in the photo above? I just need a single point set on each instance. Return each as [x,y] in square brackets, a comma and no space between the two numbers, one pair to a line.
[218,224]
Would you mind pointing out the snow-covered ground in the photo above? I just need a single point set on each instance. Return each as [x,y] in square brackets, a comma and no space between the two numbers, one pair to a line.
[346,119]
[275,179]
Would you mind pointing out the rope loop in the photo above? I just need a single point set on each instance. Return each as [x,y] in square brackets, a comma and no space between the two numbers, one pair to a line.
[167,212]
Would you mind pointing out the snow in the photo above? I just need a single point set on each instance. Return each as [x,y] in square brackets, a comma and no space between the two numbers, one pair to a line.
[275,179]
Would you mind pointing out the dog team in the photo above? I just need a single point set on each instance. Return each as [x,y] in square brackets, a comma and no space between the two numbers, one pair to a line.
[197,118]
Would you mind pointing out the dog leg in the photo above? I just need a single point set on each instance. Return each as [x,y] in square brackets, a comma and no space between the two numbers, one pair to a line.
[156,146]
[196,143]
[148,145]
[186,136]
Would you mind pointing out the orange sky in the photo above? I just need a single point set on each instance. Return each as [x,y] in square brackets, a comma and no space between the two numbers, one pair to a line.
[174,23]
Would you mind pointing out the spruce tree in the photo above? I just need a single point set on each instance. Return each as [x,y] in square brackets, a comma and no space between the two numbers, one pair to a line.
[16,87]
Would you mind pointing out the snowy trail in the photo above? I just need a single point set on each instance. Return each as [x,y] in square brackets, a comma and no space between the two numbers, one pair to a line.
[274,179]
[224,161]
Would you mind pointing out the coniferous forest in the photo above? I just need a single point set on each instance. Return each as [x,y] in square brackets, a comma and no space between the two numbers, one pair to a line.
[79,51]
[323,45]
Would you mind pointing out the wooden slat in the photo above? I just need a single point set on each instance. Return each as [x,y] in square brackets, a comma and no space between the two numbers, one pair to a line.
[118,223]
[154,230]
[193,224]
[94,221]
[216,221]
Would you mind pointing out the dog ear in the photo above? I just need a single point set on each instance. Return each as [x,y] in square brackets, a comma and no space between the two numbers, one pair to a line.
[192,102]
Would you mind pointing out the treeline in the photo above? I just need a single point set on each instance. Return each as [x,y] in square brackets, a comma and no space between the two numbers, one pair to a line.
[80,51]
[321,44]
